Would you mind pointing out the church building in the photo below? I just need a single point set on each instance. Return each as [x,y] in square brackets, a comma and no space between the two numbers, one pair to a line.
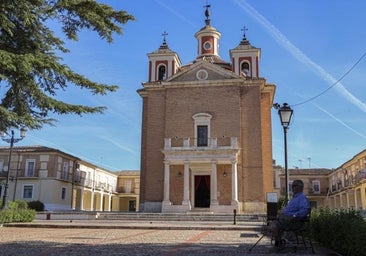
[206,130]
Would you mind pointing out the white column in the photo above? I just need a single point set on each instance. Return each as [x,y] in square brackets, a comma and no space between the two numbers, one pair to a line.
[109,201]
[234,184]
[92,200]
[363,197]
[101,201]
[214,184]
[166,182]
[186,185]
[82,199]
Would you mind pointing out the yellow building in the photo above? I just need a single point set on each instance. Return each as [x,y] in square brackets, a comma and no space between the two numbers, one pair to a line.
[316,184]
[128,189]
[64,182]
[348,184]
[341,188]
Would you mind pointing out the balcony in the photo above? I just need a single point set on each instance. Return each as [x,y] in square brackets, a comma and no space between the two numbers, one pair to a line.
[64,176]
[195,144]
[347,182]
[334,188]
[316,192]
[360,176]
[123,189]
[180,150]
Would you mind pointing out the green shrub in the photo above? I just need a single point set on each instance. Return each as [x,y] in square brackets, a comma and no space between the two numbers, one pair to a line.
[281,202]
[17,212]
[342,230]
[24,215]
[36,205]
[17,204]
[6,216]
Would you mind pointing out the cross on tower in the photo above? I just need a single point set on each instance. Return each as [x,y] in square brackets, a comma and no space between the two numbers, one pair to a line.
[164,37]
[244,29]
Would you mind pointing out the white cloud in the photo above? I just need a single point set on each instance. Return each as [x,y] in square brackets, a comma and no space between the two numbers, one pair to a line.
[299,55]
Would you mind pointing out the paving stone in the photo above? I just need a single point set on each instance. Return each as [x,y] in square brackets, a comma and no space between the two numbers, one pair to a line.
[113,238]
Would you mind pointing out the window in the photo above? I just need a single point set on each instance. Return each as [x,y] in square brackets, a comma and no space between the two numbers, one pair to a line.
[162,72]
[128,186]
[77,176]
[63,193]
[202,129]
[202,74]
[316,186]
[29,167]
[28,191]
[207,45]
[202,136]
[1,165]
[65,171]
[290,187]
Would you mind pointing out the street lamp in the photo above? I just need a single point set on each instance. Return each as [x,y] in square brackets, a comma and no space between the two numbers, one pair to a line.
[10,140]
[285,113]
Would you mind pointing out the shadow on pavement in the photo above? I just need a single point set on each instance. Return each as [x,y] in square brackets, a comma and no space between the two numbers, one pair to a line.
[41,248]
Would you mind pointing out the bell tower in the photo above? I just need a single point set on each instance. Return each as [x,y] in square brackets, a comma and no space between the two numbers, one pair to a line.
[208,38]
[245,58]
[163,63]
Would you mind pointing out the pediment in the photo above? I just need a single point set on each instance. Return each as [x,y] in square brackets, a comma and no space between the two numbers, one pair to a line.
[202,71]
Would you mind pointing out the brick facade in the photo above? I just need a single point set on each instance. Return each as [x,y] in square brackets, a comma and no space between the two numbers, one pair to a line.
[234,113]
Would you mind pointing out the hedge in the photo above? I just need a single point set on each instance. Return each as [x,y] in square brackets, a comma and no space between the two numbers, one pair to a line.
[17,211]
[342,230]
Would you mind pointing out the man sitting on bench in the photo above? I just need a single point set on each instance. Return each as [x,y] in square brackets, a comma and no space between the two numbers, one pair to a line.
[291,216]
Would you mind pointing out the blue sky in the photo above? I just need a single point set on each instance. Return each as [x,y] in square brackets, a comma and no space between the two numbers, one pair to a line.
[307,45]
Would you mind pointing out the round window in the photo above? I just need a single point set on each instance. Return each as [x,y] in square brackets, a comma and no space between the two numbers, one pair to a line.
[201,74]
[207,45]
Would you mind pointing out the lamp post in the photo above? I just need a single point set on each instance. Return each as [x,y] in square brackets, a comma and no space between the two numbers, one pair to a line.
[285,113]
[10,140]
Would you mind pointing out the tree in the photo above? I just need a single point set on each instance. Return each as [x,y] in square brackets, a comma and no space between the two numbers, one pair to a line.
[31,72]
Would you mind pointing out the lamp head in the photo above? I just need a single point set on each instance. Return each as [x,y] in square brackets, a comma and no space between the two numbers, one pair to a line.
[285,113]
[23,132]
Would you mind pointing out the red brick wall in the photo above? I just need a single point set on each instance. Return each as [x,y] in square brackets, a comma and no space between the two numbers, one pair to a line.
[152,159]
[238,110]
[224,192]
[176,184]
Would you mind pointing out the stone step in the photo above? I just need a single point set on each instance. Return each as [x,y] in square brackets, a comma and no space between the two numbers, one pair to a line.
[192,216]
[159,217]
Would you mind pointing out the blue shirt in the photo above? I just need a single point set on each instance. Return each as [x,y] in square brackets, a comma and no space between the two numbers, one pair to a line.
[298,206]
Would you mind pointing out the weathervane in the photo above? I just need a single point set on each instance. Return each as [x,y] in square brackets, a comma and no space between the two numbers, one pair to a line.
[207,13]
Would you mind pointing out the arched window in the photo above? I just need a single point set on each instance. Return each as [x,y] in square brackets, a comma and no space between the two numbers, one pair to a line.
[245,69]
[162,72]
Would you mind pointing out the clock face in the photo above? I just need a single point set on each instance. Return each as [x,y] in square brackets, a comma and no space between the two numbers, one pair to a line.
[201,74]
[207,45]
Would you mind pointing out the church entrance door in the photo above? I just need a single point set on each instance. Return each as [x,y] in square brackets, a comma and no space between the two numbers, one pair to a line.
[202,191]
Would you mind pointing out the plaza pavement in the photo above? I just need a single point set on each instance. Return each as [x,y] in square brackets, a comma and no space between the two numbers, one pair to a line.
[140,238]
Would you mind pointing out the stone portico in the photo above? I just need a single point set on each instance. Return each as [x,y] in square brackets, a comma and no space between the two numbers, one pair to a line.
[200,162]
